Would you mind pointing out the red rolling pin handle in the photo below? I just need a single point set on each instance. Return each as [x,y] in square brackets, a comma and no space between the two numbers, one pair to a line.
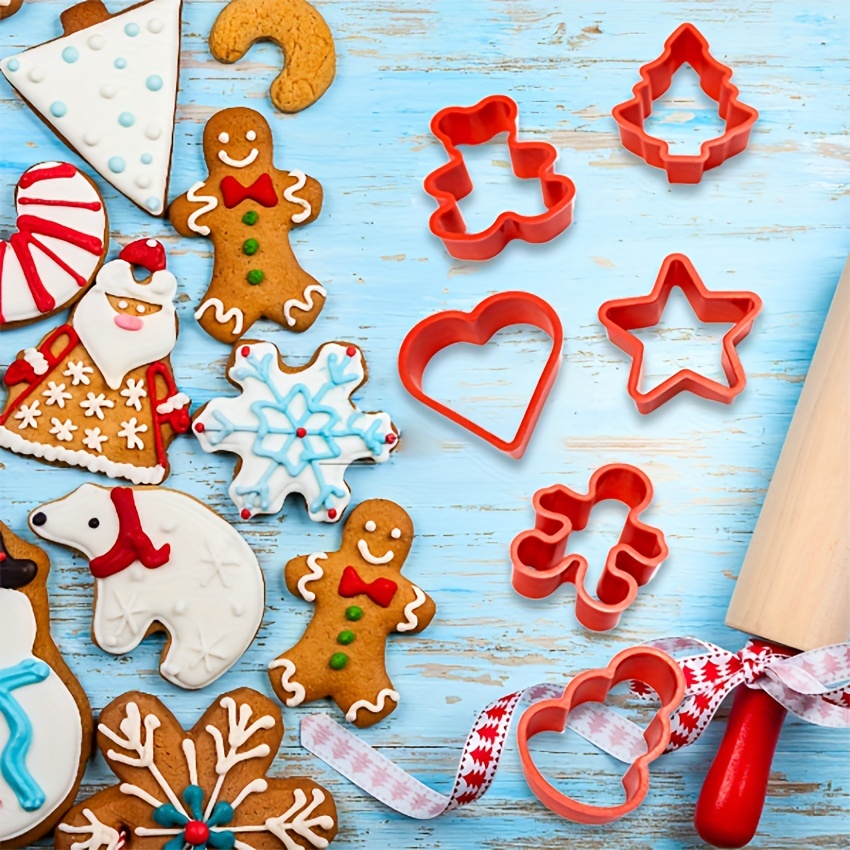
[732,797]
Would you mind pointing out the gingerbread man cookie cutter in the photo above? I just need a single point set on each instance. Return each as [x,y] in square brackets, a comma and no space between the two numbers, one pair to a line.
[449,184]
[540,562]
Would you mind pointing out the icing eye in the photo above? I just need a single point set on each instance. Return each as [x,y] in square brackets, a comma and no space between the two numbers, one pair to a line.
[140,308]
[370,526]
[39,519]
[94,522]
[122,305]
[395,533]
[224,138]
[250,135]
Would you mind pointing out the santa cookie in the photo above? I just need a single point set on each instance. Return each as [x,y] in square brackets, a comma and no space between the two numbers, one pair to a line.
[45,718]
[108,88]
[98,392]
[61,240]
[204,788]
[360,597]
[247,207]
[162,561]
[294,428]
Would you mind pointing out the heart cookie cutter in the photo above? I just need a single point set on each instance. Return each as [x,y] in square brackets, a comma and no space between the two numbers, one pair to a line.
[495,313]
[450,183]
[643,664]
[624,315]
[540,565]
[685,46]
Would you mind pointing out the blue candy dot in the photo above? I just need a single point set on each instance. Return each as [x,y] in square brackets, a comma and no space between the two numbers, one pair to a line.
[116,164]
[146,158]
[70,55]
[154,82]
[120,64]
[153,204]
[126,119]
[132,30]
[13,65]
[58,109]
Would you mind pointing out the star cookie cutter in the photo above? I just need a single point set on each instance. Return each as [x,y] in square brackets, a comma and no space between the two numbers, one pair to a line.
[540,565]
[499,311]
[475,125]
[686,45]
[624,315]
[643,664]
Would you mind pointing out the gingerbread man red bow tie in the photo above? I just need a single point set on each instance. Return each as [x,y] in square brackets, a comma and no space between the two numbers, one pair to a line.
[381,591]
[261,190]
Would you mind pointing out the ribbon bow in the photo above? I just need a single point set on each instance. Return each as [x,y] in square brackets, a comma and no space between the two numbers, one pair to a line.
[812,685]
[381,591]
[261,190]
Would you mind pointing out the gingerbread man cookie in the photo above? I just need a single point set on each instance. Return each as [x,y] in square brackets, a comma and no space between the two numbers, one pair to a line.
[247,207]
[361,597]
[197,789]
[9,7]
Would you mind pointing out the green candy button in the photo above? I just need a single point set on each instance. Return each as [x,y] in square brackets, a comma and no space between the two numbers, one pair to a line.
[353,613]
[346,637]
[338,660]
[255,276]
[250,247]
[250,218]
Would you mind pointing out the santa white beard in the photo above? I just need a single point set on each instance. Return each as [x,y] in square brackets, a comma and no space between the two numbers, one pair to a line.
[117,351]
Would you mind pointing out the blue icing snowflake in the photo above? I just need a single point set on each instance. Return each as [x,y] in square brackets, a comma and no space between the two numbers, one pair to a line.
[295,430]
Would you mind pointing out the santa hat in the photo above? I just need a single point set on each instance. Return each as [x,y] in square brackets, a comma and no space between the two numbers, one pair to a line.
[116,278]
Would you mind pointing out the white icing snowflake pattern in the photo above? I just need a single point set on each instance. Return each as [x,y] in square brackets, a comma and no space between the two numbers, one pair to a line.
[94,404]
[55,394]
[130,430]
[134,392]
[94,439]
[296,432]
[63,431]
[242,735]
[78,372]
[28,414]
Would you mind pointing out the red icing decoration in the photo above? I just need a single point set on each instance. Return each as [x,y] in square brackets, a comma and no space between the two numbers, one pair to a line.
[199,427]
[381,591]
[261,190]
[390,439]
[301,432]
[139,253]
[196,833]
[245,351]
[351,351]
[332,513]
[132,543]
[245,513]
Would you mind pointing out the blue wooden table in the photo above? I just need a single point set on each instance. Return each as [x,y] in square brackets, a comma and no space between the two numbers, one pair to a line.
[774,219]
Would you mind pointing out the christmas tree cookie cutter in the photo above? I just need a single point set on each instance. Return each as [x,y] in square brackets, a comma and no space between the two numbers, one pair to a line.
[685,46]
[450,183]
[541,563]
[621,316]
[495,313]
[642,664]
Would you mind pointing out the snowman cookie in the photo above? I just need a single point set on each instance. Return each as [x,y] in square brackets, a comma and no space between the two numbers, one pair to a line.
[162,561]
[207,787]
[360,598]
[45,718]
[247,207]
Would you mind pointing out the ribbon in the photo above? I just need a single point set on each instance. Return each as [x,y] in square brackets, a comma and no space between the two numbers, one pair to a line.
[380,591]
[806,684]
[261,190]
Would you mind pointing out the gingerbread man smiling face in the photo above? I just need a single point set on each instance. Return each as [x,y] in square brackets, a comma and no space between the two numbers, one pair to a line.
[361,597]
[247,207]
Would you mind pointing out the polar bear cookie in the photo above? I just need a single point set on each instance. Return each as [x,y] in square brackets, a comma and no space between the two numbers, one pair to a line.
[360,598]
[162,561]
[45,718]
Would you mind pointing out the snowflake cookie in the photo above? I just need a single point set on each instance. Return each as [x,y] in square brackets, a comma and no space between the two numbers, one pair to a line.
[197,789]
[294,428]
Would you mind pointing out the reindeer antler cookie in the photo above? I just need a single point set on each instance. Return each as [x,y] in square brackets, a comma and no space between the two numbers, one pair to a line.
[198,789]
[361,597]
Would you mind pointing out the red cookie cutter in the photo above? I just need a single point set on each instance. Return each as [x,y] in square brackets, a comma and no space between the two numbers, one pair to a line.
[499,311]
[643,664]
[474,125]
[540,565]
[627,314]
[685,45]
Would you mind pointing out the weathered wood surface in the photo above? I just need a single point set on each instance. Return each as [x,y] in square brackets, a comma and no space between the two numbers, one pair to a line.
[774,219]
